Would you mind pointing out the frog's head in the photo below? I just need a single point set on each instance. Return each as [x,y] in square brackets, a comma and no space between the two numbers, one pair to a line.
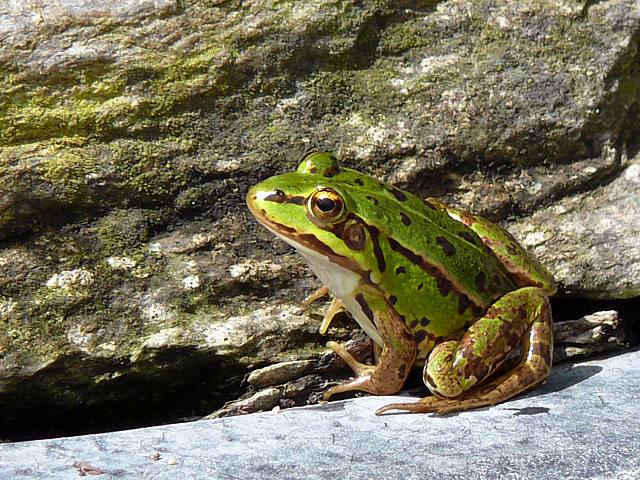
[303,202]
[313,209]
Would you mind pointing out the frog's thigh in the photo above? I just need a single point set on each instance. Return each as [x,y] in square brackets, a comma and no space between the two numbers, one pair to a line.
[395,360]
[522,317]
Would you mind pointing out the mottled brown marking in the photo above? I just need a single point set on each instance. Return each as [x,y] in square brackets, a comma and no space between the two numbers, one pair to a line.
[364,306]
[467,218]
[402,370]
[542,350]
[413,324]
[512,249]
[446,246]
[313,170]
[393,299]
[405,219]
[399,194]
[494,312]
[400,270]
[354,236]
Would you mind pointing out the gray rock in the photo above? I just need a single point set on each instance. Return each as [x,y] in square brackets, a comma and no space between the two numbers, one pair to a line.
[129,266]
[592,237]
[580,425]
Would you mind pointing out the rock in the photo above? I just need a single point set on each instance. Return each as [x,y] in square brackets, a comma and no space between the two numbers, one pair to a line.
[592,238]
[549,433]
[129,266]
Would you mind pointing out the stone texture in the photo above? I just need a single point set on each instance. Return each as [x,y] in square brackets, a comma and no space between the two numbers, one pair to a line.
[580,425]
[129,266]
[592,237]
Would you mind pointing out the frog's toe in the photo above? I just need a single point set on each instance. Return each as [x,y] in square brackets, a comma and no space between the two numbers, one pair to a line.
[432,404]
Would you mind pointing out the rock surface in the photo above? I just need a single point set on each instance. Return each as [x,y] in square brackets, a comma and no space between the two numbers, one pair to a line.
[129,267]
[580,425]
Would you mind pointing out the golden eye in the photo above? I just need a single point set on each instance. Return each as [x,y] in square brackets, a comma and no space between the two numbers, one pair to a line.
[326,205]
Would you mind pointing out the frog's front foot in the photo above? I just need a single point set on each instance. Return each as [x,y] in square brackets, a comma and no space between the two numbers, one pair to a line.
[362,382]
[381,379]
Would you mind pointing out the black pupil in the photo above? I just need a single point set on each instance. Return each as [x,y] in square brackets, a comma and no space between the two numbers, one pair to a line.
[326,204]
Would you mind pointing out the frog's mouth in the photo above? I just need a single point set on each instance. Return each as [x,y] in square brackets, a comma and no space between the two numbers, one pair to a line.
[341,275]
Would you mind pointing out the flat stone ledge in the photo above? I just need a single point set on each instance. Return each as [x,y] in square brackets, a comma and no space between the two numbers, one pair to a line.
[582,424]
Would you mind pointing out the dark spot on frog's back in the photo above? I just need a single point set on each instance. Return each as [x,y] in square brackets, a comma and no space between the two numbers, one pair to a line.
[446,245]
[358,181]
[469,237]
[373,200]
[463,303]
[393,299]
[424,321]
[399,194]
[420,335]
[331,170]
[405,219]
[480,281]
[400,270]
[512,249]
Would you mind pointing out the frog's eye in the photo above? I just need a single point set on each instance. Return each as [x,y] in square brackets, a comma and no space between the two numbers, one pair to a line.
[326,205]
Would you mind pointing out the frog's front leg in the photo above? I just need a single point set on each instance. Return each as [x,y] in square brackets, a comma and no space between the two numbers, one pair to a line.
[522,317]
[396,358]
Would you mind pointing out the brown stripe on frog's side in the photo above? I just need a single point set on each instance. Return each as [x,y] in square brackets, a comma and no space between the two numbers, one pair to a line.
[366,309]
[375,244]
[310,241]
[445,284]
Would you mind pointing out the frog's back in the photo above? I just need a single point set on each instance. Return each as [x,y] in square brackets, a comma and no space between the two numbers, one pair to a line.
[437,272]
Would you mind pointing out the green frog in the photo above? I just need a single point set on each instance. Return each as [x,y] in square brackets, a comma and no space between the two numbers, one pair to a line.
[432,285]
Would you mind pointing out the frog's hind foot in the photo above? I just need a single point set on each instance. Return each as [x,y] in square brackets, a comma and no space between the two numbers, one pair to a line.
[443,406]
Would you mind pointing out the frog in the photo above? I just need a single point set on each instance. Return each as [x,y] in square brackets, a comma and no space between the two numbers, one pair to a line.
[434,286]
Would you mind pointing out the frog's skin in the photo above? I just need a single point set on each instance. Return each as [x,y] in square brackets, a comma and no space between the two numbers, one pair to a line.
[430,284]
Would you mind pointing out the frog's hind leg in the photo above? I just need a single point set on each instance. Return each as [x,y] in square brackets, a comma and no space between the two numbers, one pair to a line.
[522,317]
